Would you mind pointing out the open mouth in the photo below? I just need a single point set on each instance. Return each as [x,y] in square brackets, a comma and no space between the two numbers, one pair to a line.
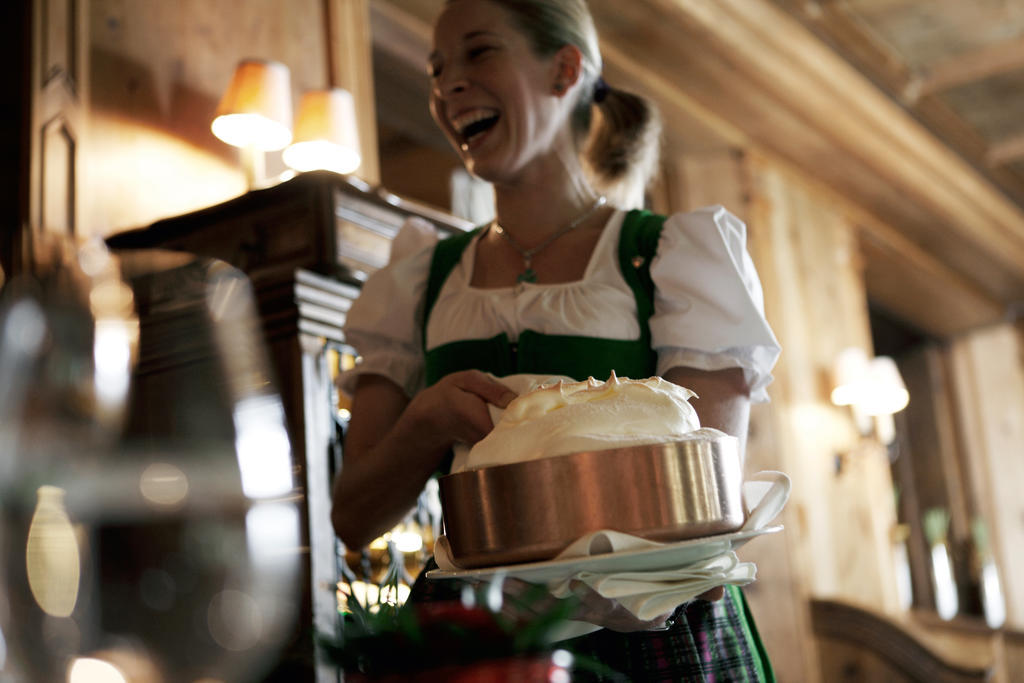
[473,125]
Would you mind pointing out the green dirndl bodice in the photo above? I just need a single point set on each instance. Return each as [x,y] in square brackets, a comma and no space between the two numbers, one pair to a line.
[715,641]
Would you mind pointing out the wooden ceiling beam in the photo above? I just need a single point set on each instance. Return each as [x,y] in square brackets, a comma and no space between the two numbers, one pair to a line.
[838,24]
[694,128]
[1006,151]
[799,73]
[969,67]
[907,281]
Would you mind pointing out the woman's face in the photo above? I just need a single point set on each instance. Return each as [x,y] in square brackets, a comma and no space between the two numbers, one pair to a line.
[490,94]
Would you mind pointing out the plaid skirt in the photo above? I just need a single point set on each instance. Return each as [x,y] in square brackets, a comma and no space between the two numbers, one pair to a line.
[705,642]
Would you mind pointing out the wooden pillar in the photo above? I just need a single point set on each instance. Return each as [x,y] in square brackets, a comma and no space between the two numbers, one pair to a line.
[350,66]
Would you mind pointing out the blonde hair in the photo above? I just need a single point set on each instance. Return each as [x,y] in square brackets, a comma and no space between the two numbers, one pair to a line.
[619,134]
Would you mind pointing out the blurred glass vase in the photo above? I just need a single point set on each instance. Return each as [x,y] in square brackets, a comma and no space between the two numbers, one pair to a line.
[133,548]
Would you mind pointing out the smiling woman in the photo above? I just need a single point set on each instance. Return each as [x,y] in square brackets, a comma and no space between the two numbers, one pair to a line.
[566,280]
[492,50]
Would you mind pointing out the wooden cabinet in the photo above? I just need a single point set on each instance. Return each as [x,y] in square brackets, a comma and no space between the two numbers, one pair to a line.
[307,245]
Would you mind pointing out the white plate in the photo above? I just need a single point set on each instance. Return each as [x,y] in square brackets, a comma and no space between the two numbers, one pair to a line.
[667,556]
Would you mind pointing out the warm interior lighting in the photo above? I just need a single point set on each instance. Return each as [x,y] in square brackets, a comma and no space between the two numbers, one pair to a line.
[850,371]
[371,596]
[887,393]
[256,108]
[255,112]
[408,541]
[326,136]
[873,387]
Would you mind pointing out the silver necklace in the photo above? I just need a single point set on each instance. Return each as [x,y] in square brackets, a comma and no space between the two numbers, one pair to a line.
[529,274]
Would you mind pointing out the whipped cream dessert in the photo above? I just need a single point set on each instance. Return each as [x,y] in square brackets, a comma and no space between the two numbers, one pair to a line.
[569,417]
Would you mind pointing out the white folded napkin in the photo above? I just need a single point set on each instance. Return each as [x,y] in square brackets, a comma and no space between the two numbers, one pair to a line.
[648,594]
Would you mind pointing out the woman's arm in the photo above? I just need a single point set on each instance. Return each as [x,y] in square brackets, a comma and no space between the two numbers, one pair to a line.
[394,445]
[723,399]
[723,402]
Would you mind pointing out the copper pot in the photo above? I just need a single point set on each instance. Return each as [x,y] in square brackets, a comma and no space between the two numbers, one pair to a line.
[530,511]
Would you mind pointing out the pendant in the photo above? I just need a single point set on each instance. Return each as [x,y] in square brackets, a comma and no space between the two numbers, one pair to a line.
[528,275]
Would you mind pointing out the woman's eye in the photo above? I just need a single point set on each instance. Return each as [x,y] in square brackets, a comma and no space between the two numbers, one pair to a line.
[476,52]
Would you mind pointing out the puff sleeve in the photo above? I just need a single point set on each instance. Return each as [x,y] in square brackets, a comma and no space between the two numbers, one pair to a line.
[383,324]
[709,306]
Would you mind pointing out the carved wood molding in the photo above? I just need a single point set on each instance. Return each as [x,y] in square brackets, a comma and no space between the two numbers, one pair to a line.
[879,636]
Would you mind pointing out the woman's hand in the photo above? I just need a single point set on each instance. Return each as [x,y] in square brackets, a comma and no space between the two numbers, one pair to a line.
[597,609]
[455,409]
[524,601]
[394,445]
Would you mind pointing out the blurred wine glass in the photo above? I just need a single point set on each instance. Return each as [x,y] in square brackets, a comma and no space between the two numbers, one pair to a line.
[147,524]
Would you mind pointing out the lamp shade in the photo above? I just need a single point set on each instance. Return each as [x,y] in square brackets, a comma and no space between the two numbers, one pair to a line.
[873,386]
[888,393]
[850,376]
[326,136]
[256,110]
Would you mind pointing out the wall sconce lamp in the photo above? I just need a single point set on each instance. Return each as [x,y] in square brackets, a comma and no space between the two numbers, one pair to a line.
[255,113]
[873,388]
[326,136]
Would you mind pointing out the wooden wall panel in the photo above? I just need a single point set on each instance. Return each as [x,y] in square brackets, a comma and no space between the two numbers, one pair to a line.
[842,509]
[715,177]
[989,387]
[905,280]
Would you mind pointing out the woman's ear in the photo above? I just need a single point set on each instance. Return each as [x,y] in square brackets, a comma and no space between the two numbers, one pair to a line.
[567,68]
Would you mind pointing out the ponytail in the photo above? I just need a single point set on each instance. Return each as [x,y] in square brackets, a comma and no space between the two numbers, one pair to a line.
[622,148]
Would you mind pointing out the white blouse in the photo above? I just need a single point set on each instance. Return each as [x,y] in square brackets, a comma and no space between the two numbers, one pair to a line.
[708,305]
